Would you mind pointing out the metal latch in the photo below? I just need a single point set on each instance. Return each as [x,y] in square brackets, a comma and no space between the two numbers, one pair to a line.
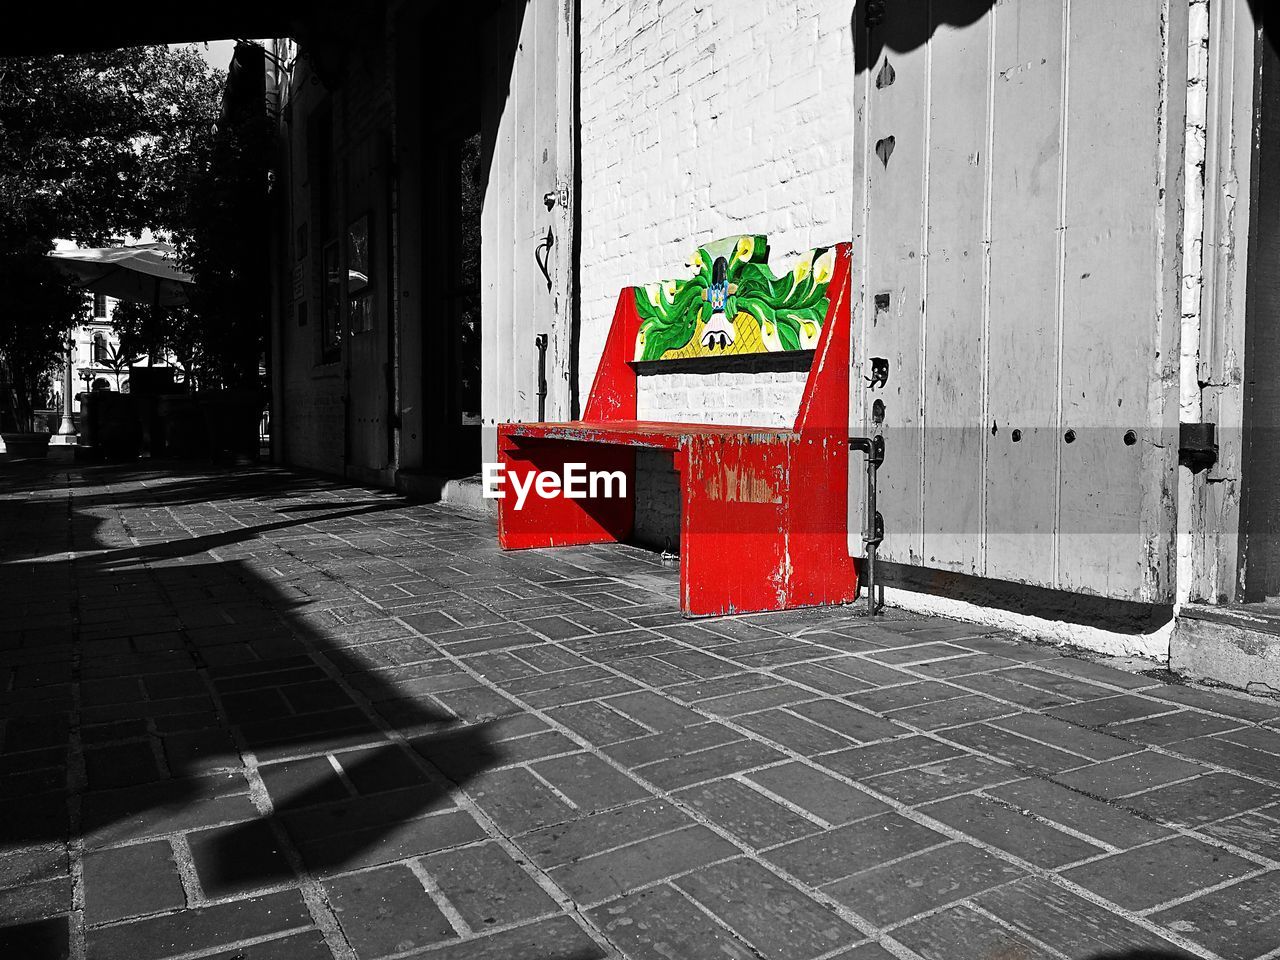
[1197,445]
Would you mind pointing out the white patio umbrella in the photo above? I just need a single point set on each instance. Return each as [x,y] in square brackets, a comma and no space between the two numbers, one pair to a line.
[144,273]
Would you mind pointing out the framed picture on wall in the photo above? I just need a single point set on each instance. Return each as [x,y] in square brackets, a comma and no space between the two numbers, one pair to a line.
[359,280]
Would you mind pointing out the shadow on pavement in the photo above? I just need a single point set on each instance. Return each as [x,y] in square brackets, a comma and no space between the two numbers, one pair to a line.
[134,680]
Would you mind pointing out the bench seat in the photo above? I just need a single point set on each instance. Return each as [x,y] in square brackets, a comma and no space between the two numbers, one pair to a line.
[646,434]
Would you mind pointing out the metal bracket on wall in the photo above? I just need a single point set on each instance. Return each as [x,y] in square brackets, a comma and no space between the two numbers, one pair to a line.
[873,449]
[1197,446]
[541,342]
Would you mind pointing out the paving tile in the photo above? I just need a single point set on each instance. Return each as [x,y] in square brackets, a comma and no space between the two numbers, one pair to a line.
[111,824]
[611,874]
[1066,736]
[820,677]
[517,800]
[597,722]
[386,911]
[654,711]
[864,672]
[1241,921]
[962,933]
[1094,818]
[750,816]
[680,771]
[1255,832]
[49,938]
[1223,753]
[32,865]
[1141,878]
[1118,778]
[734,705]
[661,924]
[964,665]
[1225,704]
[1071,924]
[1009,830]
[888,756]
[1102,673]
[1068,687]
[943,779]
[847,850]
[776,918]
[308,945]
[327,820]
[950,713]
[1172,727]
[794,733]
[130,882]
[388,842]
[865,951]
[299,783]
[1108,710]
[386,767]
[35,901]
[999,687]
[926,881]
[663,746]
[819,793]
[188,930]
[905,695]
[1204,799]
[858,725]
[487,887]
[1264,739]
[238,859]
[121,765]
[1017,750]
[578,838]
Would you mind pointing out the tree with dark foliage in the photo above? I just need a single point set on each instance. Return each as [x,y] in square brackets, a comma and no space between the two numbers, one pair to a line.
[92,148]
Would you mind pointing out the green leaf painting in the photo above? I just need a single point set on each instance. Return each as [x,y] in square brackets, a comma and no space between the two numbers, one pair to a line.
[735,304]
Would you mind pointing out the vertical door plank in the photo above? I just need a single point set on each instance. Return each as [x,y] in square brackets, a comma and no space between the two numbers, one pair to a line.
[497,221]
[530,226]
[897,131]
[1022,476]
[1112,293]
[954,294]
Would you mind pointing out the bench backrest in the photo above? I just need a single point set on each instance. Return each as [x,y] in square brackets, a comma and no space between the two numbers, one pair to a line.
[734,312]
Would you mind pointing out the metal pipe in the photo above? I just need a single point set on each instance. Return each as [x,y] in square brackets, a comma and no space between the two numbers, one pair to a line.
[873,449]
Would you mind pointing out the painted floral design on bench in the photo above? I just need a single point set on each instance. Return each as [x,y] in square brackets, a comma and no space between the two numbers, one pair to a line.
[734,304]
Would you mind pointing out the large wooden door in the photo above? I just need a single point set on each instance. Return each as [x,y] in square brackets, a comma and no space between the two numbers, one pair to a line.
[527,225]
[1017,243]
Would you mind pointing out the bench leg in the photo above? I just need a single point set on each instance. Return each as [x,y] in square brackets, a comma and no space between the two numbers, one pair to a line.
[558,521]
[732,538]
[757,530]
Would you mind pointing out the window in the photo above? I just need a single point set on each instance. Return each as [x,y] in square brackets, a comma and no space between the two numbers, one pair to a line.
[99,306]
[100,352]
[359,281]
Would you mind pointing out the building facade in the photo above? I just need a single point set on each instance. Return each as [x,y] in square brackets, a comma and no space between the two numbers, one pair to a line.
[1062,215]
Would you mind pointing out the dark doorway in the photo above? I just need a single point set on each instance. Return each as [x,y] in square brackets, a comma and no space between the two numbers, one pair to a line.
[452,200]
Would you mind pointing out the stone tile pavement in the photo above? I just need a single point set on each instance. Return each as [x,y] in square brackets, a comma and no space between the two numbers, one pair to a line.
[261,716]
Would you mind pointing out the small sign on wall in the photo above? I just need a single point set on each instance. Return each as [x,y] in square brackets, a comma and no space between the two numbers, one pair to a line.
[299,285]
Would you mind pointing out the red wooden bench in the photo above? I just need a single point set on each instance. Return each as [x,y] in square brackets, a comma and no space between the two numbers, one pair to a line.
[764,510]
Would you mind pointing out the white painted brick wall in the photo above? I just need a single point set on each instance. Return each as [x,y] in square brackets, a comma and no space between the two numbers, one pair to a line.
[657,499]
[702,120]
[759,399]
